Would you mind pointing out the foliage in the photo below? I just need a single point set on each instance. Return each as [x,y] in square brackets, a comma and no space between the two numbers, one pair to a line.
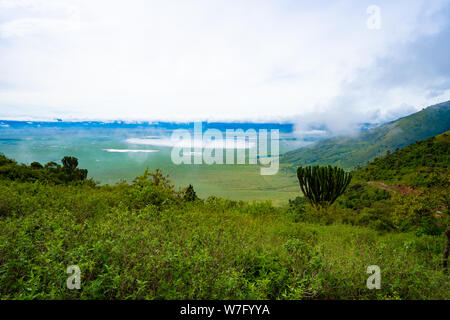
[189,194]
[421,164]
[323,185]
[138,241]
[69,163]
[297,208]
[151,189]
[51,172]
[361,195]
[145,240]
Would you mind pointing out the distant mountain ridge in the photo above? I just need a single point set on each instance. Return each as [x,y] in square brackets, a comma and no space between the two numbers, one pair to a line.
[349,152]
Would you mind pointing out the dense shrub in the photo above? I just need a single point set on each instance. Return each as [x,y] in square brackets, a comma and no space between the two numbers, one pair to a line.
[144,241]
[51,172]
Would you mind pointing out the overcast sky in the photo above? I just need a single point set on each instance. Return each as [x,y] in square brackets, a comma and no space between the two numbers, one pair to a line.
[278,60]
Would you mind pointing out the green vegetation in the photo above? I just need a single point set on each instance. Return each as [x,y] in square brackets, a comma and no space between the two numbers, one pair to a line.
[189,194]
[349,152]
[88,143]
[50,172]
[403,191]
[146,240]
[422,164]
[323,185]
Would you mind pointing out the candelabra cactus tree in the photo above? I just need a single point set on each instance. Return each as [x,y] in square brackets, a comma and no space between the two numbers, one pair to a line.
[323,185]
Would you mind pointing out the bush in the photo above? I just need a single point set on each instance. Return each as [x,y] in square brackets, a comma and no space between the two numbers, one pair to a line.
[143,241]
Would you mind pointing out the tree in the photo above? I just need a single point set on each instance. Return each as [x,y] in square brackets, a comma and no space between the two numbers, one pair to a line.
[323,185]
[81,174]
[157,179]
[52,166]
[69,163]
[4,160]
[189,194]
[36,165]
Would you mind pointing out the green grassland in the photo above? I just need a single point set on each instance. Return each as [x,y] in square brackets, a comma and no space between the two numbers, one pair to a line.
[147,240]
[236,182]
[139,242]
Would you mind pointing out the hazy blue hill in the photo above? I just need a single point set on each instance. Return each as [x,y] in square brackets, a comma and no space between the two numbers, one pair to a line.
[349,152]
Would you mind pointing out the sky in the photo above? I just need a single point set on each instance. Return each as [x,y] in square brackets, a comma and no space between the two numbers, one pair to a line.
[315,63]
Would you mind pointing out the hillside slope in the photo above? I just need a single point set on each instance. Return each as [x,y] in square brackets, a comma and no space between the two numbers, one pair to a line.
[404,190]
[421,164]
[349,152]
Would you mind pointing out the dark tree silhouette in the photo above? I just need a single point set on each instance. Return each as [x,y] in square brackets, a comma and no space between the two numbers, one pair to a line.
[69,163]
[189,194]
[36,165]
[52,166]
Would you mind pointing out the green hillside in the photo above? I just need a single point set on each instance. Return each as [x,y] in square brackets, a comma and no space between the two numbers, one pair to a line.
[403,190]
[421,164]
[349,152]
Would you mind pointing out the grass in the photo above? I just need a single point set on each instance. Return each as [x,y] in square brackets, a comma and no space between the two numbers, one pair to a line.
[147,240]
[213,249]
[236,182]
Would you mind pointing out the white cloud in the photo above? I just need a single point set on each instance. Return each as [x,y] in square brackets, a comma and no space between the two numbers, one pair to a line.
[222,143]
[227,60]
[39,17]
